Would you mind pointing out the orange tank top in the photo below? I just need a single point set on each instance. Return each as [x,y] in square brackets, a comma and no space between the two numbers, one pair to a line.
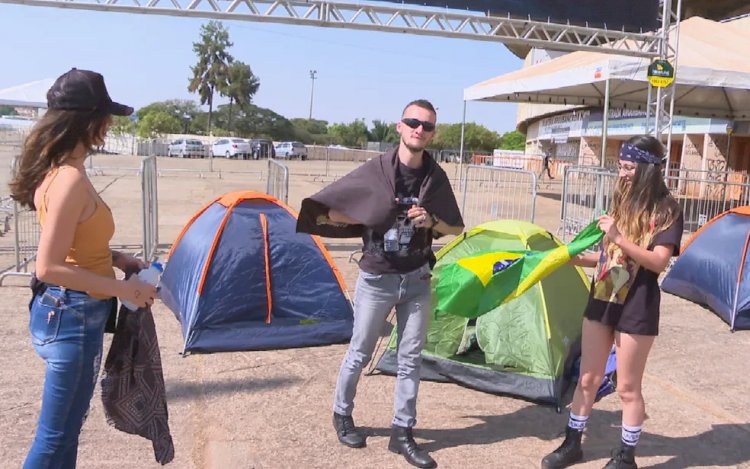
[90,249]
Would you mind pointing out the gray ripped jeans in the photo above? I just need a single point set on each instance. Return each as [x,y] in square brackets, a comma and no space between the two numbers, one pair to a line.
[376,295]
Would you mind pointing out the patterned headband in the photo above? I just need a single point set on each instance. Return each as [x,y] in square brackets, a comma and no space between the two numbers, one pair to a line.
[630,152]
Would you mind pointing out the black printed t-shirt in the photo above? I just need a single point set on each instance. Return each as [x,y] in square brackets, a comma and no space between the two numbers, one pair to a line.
[625,295]
[406,248]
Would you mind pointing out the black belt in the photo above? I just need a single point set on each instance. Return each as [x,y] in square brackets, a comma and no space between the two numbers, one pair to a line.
[38,287]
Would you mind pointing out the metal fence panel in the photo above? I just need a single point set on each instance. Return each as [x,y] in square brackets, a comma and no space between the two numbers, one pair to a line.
[704,196]
[277,184]
[26,232]
[491,193]
[150,201]
[587,192]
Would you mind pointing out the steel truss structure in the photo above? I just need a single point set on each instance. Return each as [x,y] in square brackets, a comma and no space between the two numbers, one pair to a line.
[379,16]
[383,17]
[660,109]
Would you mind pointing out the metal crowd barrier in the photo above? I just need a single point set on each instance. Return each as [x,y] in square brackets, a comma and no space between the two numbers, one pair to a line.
[702,195]
[26,232]
[25,241]
[492,193]
[277,184]
[587,192]
[150,201]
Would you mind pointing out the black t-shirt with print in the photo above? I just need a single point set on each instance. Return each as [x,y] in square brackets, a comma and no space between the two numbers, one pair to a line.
[627,294]
[403,247]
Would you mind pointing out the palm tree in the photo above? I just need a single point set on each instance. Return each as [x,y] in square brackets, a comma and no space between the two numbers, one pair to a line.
[383,132]
[211,73]
[241,87]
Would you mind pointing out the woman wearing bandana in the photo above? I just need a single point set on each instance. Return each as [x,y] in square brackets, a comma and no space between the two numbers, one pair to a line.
[642,232]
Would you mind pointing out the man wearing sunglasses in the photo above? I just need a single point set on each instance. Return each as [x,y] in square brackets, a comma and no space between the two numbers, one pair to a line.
[398,203]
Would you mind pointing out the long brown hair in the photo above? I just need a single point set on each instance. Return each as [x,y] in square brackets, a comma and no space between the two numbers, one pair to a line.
[49,144]
[644,207]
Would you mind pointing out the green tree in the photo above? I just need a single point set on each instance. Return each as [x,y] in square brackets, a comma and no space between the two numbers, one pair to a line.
[476,137]
[312,126]
[158,123]
[122,125]
[186,111]
[211,73]
[353,134]
[7,110]
[312,131]
[172,106]
[255,121]
[241,87]
[383,132]
[513,140]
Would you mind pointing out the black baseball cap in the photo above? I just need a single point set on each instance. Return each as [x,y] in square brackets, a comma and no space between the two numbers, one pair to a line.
[83,90]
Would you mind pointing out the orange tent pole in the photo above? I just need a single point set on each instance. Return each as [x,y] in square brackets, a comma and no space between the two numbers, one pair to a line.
[267,256]
[739,280]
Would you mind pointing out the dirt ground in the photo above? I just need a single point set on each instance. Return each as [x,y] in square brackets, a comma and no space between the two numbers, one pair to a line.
[272,409]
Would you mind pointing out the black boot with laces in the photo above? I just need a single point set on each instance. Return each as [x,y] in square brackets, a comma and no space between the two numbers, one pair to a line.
[346,431]
[568,453]
[622,458]
[402,442]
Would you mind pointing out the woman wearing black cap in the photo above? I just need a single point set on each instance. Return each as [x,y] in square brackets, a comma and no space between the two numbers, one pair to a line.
[75,284]
[642,232]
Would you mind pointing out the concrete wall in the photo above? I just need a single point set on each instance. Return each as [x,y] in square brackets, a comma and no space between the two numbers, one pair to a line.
[591,151]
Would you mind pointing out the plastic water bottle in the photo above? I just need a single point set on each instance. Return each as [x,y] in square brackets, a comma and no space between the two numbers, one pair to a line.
[390,240]
[150,276]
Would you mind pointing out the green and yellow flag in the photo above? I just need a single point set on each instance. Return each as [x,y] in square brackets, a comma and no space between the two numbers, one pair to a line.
[478,284]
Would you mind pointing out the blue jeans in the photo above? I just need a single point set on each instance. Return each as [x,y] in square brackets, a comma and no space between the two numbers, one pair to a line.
[375,297]
[67,330]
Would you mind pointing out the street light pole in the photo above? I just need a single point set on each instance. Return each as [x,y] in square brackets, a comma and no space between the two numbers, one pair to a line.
[313,76]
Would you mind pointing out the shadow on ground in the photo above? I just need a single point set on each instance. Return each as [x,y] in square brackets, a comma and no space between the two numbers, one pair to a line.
[602,435]
[183,390]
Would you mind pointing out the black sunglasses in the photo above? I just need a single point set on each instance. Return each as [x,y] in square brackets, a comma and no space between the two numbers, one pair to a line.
[414,123]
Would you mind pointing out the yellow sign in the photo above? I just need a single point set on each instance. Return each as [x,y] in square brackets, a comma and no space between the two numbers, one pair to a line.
[660,73]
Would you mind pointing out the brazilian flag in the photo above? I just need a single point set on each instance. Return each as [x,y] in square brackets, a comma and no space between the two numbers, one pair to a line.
[478,284]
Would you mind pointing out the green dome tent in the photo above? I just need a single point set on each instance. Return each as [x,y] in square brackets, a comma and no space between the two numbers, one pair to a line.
[523,348]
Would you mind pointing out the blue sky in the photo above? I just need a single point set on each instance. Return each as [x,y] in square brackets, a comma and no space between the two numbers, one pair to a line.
[361,74]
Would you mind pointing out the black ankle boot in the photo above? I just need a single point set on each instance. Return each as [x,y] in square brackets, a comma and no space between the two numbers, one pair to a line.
[402,442]
[622,458]
[347,432]
[567,454]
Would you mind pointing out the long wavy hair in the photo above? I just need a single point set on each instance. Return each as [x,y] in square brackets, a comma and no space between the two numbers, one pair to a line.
[49,145]
[644,207]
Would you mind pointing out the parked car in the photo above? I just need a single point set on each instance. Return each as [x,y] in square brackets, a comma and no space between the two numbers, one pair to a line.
[262,148]
[291,150]
[186,148]
[231,148]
